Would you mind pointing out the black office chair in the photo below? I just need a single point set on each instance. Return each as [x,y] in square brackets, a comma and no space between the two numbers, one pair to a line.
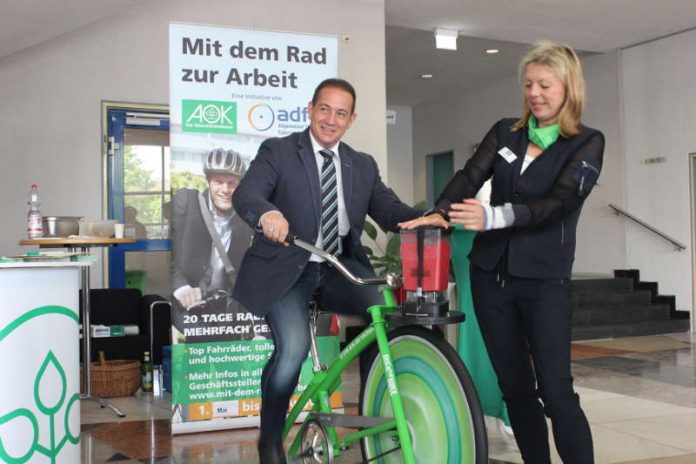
[159,325]
[127,306]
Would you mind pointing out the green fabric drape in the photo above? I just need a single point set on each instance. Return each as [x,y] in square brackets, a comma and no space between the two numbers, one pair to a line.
[471,347]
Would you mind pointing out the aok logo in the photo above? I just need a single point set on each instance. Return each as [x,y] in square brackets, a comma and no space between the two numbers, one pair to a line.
[209,116]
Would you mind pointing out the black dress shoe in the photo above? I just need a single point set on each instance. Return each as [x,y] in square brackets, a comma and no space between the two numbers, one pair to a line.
[271,452]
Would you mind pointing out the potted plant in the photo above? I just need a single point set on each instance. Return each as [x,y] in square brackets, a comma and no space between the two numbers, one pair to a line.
[384,258]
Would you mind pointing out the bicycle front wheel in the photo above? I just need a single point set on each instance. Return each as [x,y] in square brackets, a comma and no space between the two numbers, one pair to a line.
[442,408]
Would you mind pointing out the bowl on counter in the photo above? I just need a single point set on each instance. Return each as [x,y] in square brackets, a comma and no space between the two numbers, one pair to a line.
[97,227]
[60,226]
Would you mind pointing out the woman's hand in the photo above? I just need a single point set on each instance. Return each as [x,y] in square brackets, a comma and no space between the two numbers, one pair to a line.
[469,214]
[429,220]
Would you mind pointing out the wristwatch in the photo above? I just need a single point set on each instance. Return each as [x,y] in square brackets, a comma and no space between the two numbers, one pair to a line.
[439,211]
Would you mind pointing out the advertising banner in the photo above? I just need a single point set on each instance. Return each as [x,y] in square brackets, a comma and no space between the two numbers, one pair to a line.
[229,90]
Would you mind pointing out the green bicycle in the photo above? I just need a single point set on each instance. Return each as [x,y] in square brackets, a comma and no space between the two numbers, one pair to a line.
[417,402]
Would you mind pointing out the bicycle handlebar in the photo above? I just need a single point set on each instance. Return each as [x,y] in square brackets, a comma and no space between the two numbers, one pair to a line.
[217,295]
[391,280]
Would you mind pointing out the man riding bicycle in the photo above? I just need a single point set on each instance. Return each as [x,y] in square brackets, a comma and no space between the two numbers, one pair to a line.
[286,185]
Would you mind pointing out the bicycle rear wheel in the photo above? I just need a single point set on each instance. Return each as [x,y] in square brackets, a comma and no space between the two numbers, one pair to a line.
[440,402]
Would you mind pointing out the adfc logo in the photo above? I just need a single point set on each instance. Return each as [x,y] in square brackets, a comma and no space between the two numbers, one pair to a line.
[261,117]
[209,116]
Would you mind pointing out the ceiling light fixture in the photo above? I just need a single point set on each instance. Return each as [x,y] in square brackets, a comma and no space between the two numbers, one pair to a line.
[426,76]
[492,51]
[446,39]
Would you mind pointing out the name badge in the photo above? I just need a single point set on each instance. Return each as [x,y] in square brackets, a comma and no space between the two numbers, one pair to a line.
[507,154]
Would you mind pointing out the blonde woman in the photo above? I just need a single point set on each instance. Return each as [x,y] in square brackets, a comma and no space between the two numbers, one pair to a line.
[543,166]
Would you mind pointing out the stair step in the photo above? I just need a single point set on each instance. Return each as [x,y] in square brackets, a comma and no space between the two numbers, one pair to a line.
[599,298]
[618,313]
[595,285]
[633,329]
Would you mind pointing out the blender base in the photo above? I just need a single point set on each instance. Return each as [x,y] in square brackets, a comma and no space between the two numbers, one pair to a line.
[450,317]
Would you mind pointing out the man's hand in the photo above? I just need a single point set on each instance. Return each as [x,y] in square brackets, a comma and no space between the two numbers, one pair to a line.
[274,225]
[429,220]
[189,297]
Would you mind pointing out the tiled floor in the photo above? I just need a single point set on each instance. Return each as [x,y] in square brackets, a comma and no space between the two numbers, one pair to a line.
[639,395]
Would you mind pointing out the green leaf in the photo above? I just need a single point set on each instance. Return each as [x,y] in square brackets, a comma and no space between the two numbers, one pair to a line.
[10,423]
[394,245]
[423,204]
[370,230]
[51,372]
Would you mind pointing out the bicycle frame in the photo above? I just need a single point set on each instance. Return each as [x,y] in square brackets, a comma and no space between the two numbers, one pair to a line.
[325,381]
[321,423]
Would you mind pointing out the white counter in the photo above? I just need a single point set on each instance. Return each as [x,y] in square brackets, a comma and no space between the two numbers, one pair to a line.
[39,391]
[25,264]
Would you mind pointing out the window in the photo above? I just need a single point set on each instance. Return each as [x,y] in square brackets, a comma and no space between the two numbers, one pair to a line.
[146,183]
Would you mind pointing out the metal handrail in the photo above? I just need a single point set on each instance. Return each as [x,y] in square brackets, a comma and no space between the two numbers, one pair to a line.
[617,210]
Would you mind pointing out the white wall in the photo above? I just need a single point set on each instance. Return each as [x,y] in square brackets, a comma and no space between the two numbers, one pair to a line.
[50,127]
[659,97]
[459,123]
[601,245]
[400,154]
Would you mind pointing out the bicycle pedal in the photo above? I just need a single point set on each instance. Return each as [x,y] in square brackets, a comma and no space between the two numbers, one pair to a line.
[350,421]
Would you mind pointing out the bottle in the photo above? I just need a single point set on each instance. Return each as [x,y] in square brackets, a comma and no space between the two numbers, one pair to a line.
[34,228]
[146,370]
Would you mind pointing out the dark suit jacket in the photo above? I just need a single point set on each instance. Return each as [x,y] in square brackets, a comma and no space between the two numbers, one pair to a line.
[546,199]
[284,177]
[191,242]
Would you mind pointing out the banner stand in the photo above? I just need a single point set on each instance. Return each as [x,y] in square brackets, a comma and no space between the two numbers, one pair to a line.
[230,89]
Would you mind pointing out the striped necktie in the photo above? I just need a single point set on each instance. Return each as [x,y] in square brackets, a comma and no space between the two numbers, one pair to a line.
[329,204]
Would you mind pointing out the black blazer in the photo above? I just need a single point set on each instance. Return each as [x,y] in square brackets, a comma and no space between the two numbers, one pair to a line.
[546,199]
[191,242]
[284,176]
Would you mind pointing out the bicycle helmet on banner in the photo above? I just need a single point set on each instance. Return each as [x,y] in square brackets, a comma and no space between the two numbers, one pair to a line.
[221,161]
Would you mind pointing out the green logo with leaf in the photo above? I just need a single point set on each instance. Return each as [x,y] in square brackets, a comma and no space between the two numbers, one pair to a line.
[48,402]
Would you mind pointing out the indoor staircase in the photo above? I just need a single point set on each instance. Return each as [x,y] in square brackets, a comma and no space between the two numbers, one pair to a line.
[623,307]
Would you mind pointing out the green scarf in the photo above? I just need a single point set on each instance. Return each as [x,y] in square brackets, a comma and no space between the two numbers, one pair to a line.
[542,137]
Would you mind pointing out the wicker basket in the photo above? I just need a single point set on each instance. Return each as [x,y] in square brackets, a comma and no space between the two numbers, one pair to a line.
[114,378]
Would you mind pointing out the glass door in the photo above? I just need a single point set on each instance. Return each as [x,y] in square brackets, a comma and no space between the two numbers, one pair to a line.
[138,195]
